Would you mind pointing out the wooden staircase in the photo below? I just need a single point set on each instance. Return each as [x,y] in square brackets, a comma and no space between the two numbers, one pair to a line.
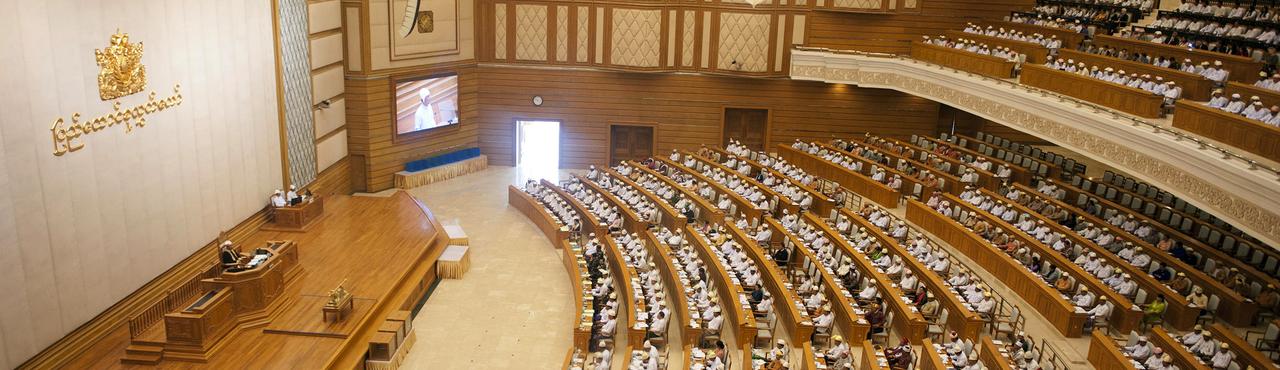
[143,354]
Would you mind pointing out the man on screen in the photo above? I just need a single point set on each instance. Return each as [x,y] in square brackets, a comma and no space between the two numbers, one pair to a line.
[425,118]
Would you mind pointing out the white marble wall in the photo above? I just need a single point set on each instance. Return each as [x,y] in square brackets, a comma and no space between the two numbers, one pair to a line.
[81,231]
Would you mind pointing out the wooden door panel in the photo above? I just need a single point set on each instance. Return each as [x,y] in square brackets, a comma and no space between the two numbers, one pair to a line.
[627,142]
[748,126]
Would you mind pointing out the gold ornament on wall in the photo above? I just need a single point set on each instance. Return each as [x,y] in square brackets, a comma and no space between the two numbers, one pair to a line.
[122,72]
[426,22]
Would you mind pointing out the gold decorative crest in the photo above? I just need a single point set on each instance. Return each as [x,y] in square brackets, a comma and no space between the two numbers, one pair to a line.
[122,71]
[426,22]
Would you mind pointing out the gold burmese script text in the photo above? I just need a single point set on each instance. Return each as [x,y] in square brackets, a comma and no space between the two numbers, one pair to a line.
[69,137]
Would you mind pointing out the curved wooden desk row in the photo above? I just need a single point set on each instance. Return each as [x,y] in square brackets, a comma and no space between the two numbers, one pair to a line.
[1241,68]
[959,318]
[986,65]
[1244,352]
[1105,354]
[1232,306]
[992,356]
[571,257]
[777,201]
[1232,129]
[689,331]
[930,359]
[908,182]
[847,319]
[986,179]
[1018,173]
[1247,90]
[1215,254]
[631,221]
[785,299]
[847,178]
[1043,298]
[1126,99]
[1124,317]
[1070,39]
[1178,313]
[908,321]
[821,202]
[669,217]
[742,205]
[1194,86]
[627,304]
[1036,53]
[541,217]
[590,224]
[950,183]
[706,211]
[1182,358]
[730,294]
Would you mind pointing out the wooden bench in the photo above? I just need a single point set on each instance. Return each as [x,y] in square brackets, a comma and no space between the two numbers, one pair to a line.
[1241,69]
[986,65]
[1194,86]
[1126,99]
[1232,129]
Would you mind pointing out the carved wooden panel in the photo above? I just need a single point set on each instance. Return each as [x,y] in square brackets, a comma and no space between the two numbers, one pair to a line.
[744,42]
[500,31]
[562,33]
[531,32]
[635,38]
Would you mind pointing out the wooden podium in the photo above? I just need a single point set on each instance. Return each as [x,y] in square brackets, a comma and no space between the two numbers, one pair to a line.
[257,287]
[296,217]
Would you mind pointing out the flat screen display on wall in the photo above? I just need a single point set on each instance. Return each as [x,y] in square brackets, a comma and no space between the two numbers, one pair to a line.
[426,103]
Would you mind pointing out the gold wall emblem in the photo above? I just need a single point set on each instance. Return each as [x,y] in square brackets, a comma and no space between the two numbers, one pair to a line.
[426,22]
[122,71]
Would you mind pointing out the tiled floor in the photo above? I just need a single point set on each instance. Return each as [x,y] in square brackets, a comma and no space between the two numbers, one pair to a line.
[512,310]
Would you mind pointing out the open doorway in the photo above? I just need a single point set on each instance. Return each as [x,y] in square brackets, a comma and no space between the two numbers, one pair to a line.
[537,150]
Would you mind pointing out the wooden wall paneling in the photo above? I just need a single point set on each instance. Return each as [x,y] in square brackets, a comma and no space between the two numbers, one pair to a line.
[687,109]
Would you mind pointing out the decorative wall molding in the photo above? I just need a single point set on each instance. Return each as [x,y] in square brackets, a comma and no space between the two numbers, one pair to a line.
[641,36]
[1248,199]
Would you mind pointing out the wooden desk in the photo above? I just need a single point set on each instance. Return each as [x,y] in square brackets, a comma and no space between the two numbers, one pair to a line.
[1124,317]
[631,221]
[539,215]
[296,218]
[929,357]
[1194,86]
[706,211]
[668,217]
[797,320]
[1036,53]
[1041,296]
[986,179]
[986,65]
[1182,358]
[1070,39]
[1104,354]
[1232,129]
[1232,306]
[950,183]
[681,313]
[590,223]
[1177,313]
[730,292]
[847,178]
[1126,99]
[821,202]
[847,318]
[870,357]
[908,322]
[254,289]
[1247,90]
[991,356]
[1244,352]
[202,322]
[778,201]
[740,204]
[908,182]
[1017,173]
[622,275]
[961,319]
[1241,69]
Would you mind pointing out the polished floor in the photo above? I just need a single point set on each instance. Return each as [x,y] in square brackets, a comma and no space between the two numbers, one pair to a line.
[513,309]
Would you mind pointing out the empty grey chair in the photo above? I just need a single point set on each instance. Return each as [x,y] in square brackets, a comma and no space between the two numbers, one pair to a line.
[1004,142]
[1044,170]
[1270,266]
[980,136]
[1214,237]
[945,137]
[1017,147]
[1125,198]
[988,151]
[1111,193]
[915,138]
[1178,204]
[1135,203]
[962,142]
[1175,220]
[1257,257]
[1186,225]
[1071,163]
[1243,251]
[1165,213]
[1151,192]
[1075,180]
[1108,176]
[1081,200]
[1036,152]
[1008,157]
[1202,234]
[1228,244]
[1100,189]
[1057,160]
[1149,209]
[1165,198]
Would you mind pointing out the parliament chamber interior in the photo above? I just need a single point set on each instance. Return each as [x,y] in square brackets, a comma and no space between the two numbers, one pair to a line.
[641,185]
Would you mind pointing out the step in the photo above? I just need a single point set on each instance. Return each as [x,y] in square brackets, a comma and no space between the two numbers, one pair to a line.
[144,349]
[141,359]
